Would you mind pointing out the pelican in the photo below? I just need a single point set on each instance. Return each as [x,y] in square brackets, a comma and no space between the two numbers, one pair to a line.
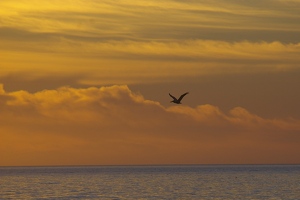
[177,101]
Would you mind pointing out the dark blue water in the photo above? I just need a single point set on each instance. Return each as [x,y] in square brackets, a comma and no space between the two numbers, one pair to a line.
[152,182]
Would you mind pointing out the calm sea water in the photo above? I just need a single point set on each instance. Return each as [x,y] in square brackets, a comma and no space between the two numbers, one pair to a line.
[152,182]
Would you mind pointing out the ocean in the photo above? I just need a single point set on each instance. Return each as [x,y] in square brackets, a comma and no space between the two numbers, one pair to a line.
[152,182]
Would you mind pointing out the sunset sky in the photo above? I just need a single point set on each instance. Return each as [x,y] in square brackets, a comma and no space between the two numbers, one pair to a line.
[86,82]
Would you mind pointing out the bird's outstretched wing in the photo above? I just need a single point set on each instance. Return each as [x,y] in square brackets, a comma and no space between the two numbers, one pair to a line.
[172,96]
[181,97]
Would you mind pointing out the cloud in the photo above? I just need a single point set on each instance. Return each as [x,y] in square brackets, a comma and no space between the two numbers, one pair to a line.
[153,20]
[239,45]
[220,54]
[199,50]
[130,42]
[113,125]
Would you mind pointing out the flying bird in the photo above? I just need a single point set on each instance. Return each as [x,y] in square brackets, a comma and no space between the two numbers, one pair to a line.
[177,101]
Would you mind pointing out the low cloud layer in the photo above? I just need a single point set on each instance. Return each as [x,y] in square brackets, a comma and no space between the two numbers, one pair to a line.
[113,125]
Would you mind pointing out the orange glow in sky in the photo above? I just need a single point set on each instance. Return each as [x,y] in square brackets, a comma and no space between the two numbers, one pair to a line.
[86,82]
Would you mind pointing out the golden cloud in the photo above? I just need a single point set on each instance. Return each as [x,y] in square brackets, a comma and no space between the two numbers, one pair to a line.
[113,125]
[126,62]
[140,38]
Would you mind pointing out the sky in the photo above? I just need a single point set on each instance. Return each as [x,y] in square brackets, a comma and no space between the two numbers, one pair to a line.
[86,82]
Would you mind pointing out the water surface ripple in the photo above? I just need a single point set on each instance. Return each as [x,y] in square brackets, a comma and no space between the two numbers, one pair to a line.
[152,182]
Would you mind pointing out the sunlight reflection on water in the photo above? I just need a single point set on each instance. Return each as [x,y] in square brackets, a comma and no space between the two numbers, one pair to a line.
[152,182]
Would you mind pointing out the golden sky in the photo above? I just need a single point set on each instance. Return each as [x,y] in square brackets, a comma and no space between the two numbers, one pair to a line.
[86,82]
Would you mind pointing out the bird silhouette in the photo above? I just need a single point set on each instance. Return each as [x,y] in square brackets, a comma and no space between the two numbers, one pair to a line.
[177,101]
